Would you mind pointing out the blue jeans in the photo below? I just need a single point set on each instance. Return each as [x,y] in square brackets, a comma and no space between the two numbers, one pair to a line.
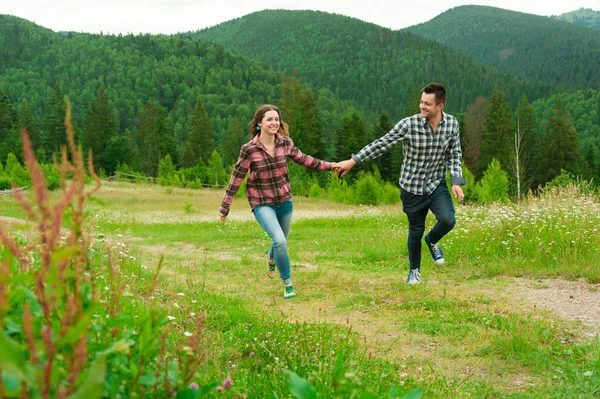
[416,208]
[276,220]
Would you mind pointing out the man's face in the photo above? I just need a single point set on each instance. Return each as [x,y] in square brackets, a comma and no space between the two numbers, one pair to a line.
[429,108]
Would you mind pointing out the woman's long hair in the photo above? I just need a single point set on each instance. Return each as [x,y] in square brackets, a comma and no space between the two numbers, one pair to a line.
[258,117]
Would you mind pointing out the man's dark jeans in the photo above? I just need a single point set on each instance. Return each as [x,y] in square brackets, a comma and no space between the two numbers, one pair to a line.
[416,208]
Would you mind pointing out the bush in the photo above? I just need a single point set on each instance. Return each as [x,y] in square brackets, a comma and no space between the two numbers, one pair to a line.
[494,185]
[368,191]
[5,183]
[51,175]
[338,190]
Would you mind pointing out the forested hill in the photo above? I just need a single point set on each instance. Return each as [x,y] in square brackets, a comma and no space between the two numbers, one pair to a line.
[141,81]
[582,17]
[526,45]
[374,66]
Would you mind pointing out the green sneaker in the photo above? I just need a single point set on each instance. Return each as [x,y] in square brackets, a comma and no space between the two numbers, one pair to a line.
[270,265]
[288,292]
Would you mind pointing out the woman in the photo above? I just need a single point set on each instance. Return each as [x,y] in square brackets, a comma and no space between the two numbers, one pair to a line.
[268,186]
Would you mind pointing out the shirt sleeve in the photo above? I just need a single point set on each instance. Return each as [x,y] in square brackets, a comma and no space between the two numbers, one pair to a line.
[307,161]
[383,144]
[454,160]
[237,177]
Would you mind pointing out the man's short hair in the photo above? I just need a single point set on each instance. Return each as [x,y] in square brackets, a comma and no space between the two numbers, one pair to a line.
[438,90]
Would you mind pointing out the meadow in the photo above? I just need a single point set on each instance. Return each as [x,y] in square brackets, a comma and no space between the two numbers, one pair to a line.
[472,329]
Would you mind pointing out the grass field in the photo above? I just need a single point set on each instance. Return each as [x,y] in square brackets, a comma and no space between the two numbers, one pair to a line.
[472,329]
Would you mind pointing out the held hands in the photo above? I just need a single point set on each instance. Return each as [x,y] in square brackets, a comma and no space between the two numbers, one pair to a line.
[342,168]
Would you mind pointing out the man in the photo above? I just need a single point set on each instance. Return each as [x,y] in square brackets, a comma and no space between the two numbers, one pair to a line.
[430,143]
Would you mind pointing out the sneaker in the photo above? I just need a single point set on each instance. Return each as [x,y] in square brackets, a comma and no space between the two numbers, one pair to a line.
[288,292]
[414,276]
[436,251]
[270,265]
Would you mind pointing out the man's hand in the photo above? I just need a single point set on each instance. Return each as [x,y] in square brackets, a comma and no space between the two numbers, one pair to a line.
[457,192]
[342,168]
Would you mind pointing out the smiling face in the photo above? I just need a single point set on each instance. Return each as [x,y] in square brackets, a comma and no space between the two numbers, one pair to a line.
[429,108]
[270,122]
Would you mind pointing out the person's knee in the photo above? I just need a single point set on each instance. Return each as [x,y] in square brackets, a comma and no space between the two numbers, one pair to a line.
[280,242]
[448,220]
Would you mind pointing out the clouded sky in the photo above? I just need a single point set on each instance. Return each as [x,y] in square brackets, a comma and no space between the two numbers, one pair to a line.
[172,16]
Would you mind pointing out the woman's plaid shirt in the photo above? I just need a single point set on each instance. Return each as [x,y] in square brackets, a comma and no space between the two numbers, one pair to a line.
[268,181]
[427,154]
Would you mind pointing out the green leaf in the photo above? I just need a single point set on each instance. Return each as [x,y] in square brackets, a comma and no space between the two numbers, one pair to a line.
[13,360]
[197,393]
[414,394]
[299,387]
[369,395]
[93,386]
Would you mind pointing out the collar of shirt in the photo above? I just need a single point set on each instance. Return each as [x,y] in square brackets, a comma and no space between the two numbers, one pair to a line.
[256,140]
[425,122]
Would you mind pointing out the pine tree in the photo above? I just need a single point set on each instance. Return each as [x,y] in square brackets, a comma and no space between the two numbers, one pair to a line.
[235,136]
[496,141]
[154,139]
[27,121]
[54,122]
[9,135]
[528,125]
[99,127]
[300,112]
[385,163]
[561,150]
[200,142]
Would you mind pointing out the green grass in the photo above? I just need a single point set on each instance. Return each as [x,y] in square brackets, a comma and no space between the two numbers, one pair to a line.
[460,334]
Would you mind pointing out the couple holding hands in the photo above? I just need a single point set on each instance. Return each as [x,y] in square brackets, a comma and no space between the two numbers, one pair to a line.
[431,146]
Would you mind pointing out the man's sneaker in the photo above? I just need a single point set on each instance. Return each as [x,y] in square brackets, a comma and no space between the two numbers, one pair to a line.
[414,276]
[270,265]
[288,292]
[436,251]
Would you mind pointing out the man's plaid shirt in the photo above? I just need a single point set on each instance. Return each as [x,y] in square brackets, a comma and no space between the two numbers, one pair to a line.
[268,181]
[427,154]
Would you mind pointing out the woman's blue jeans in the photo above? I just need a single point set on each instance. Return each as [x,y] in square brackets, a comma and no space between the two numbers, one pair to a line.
[276,220]
[416,208]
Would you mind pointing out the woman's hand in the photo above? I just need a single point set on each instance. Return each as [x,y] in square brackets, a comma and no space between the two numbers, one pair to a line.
[222,216]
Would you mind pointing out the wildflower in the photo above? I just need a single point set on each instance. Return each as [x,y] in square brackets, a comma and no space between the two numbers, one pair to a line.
[252,354]
[188,334]
[171,318]
[227,383]
[176,304]
[180,294]
[194,385]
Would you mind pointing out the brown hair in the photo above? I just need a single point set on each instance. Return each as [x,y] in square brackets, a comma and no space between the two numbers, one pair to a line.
[258,117]
[438,90]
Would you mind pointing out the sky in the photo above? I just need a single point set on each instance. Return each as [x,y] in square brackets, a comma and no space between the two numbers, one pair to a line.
[173,16]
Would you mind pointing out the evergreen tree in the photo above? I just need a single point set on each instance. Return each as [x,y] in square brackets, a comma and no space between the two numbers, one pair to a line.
[27,121]
[496,140]
[385,163]
[154,139]
[235,136]
[561,150]
[528,125]
[591,171]
[9,135]
[200,142]
[54,122]
[300,112]
[120,149]
[351,137]
[99,127]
